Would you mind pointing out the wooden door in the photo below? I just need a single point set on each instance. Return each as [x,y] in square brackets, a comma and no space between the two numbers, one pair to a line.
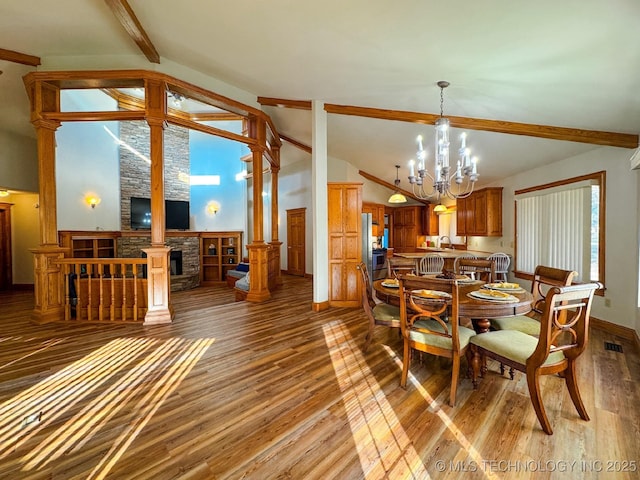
[345,247]
[296,241]
[6,279]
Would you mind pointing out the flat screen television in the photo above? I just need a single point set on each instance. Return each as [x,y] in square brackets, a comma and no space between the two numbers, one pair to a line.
[176,214]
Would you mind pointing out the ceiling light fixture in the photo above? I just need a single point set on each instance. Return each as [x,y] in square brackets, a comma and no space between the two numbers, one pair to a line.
[438,209]
[397,197]
[443,184]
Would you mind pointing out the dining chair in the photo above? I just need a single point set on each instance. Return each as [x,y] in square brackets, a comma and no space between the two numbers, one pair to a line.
[502,265]
[431,325]
[563,337]
[377,313]
[467,270]
[398,265]
[543,279]
[431,263]
[483,269]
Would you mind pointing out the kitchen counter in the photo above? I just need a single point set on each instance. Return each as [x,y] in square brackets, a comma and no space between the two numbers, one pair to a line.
[445,252]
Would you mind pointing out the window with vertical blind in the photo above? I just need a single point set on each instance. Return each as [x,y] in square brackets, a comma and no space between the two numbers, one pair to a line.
[561,225]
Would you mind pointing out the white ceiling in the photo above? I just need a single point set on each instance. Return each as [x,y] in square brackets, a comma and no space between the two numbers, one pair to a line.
[571,63]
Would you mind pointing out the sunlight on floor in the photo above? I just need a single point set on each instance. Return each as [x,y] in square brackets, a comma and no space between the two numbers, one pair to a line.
[384,448]
[126,377]
[460,437]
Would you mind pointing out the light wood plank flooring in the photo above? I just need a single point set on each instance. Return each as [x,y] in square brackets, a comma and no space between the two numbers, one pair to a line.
[275,391]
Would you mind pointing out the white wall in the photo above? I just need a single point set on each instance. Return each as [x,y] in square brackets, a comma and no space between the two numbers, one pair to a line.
[294,191]
[25,234]
[621,241]
[18,162]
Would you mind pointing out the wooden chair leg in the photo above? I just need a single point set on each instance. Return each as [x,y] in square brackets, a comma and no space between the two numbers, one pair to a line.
[455,372]
[475,363]
[533,382]
[406,360]
[369,337]
[574,392]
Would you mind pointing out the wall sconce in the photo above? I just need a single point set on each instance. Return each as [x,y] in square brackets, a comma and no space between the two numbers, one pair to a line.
[212,208]
[4,193]
[92,200]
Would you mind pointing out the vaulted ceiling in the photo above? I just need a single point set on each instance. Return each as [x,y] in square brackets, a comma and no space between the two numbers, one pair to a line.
[572,64]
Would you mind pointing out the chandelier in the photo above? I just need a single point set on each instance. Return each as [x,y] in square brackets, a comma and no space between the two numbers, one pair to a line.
[445,183]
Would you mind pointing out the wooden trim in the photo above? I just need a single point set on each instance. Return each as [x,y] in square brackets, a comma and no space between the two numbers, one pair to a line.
[127,18]
[95,116]
[391,186]
[210,130]
[296,143]
[136,78]
[23,287]
[612,139]
[215,117]
[600,176]
[17,57]
[618,330]
[320,306]
[285,103]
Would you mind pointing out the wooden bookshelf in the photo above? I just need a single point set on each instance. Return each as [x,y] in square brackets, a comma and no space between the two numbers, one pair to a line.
[219,252]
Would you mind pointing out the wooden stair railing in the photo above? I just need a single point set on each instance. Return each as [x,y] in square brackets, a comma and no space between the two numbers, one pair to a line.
[104,289]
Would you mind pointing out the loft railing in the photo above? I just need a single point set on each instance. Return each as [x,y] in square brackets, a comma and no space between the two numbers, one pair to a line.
[104,289]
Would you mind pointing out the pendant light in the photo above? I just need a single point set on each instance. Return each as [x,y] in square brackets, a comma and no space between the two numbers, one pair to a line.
[397,197]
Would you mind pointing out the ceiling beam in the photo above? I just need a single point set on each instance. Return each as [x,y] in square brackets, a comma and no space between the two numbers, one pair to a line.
[296,143]
[595,137]
[391,186]
[284,103]
[127,18]
[17,57]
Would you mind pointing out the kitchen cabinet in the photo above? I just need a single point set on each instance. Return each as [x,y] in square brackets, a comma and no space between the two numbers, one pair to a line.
[480,214]
[407,226]
[430,221]
[377,217]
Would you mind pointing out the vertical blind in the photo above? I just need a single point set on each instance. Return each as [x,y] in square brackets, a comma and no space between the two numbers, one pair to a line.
[554,229]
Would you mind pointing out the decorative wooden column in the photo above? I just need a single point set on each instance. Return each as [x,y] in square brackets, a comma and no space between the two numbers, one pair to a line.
[275,243]
[258,258]
[158,290]
[48,279]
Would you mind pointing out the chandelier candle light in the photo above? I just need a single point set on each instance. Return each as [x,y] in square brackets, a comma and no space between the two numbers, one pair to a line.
[442,182]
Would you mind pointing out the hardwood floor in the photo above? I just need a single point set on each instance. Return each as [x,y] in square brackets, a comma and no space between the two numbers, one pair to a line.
[274,390]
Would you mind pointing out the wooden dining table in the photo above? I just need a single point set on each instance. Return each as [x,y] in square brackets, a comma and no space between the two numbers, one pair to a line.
[478,310]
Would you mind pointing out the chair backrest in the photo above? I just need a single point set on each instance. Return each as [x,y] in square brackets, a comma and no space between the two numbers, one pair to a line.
[456,263]
[564,325]
[367,294]
[502,261]
[545,278]
[443,310]
[398,265]
[431,263]
[483,269]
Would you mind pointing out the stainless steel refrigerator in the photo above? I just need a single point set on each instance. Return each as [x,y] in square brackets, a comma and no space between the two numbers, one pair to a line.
[372,256]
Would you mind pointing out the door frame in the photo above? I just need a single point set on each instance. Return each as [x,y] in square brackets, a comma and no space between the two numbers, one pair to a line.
[6,269]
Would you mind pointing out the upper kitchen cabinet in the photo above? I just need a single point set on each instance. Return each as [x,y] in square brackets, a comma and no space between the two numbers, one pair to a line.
[430,221]
[377,217]
[407,226]
[480,214]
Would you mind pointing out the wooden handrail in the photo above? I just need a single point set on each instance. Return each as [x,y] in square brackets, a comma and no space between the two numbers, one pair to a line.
[104,289]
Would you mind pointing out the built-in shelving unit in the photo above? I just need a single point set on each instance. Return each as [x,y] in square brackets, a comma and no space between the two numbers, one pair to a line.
[219,252]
